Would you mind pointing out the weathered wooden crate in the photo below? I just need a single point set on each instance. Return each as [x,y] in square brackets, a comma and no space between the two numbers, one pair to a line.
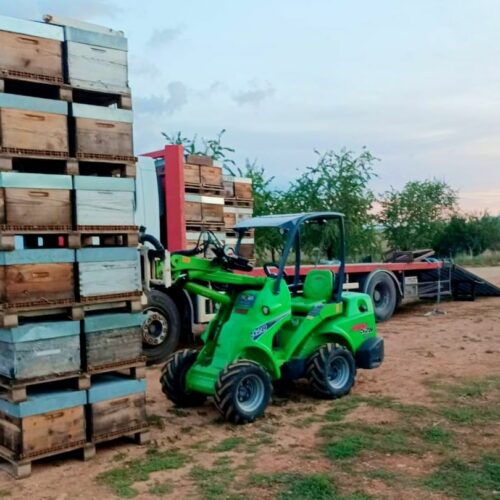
[112,339]
[104,201]
[105,272]
[203,209]
[40,349]
[47,422]
[31,50]
[102,132]
[200,160]
[208,176]
[96,61]
[117,406]
[37,276]
[238,187]
[32,125]
[35,200]
[233,215]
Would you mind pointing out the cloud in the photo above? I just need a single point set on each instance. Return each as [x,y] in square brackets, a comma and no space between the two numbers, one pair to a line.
[255,94]
[164,105]
[164,36]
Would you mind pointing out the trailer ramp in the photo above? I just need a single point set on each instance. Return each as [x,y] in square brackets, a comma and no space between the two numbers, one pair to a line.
[466,284]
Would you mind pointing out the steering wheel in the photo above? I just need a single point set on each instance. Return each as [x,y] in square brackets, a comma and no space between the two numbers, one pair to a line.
[269,273]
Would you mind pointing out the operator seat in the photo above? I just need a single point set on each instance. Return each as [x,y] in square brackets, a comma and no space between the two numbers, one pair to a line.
[318,289]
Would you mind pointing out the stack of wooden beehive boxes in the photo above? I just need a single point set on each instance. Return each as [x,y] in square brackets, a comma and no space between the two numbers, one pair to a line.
[71,369]
[238,205]
[216,202]
[204,200]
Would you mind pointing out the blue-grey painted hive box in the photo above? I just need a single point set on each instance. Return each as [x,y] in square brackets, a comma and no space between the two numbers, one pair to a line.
[104,201]
[111,339]
[40,349]
[47,421]
[33,124]
[97,61]
[35,200]
[108,271]
[117,406]
[37,276]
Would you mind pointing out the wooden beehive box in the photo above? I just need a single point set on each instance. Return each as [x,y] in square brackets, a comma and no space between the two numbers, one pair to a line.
[239,188]
[46,422]
[233,215]
[106,272]
[96,61]
[192,175]
[35,200]
[31,50]
[211,176]
[117,406]
[104,201]
[37,276]
[32,125]
[203,209]
[102,132]
[40,349]
[111,339]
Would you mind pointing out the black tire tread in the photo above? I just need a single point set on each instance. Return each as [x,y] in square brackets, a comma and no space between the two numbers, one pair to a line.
[224,388]
[316,371]
[173,378]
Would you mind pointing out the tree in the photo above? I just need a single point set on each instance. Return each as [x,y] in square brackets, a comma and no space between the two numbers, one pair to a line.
[339,183]
[468,234]
[413,217]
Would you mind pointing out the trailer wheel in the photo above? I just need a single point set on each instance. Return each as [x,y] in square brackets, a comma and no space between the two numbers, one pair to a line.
[161,328]
[382,290]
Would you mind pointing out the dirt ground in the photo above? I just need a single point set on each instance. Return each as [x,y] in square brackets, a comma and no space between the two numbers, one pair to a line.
[461,344]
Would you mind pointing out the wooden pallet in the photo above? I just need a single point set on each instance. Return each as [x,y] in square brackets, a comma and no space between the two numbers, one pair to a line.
[136,368]
[10,315]
[236,202]
[203,189]
[204,226]
[16,390]
[50,162]
[20,467]
[140,435]
[52,87]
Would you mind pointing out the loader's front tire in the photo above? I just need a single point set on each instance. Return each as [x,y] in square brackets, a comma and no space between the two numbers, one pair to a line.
[173,379]
[331,371]
[242,392]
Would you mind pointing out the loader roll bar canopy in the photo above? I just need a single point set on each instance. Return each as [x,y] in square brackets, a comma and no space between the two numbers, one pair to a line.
[291,223]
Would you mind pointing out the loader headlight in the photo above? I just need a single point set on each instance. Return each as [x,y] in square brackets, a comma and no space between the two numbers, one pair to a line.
[265,310]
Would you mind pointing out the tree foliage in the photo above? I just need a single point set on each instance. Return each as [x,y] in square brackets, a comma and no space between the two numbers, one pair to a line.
[413,217]
[339,182]
[468,234]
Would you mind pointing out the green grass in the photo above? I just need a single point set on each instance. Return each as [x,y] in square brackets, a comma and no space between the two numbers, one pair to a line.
[340,408]
[488,258]
[437,435]
[228,444]
[384,475]
[471,415]
[121,479]
[348,447]
[302,487]
[214,483]
[160,489]
[467,481]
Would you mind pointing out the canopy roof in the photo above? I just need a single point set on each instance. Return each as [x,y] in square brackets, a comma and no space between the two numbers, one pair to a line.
[284,220]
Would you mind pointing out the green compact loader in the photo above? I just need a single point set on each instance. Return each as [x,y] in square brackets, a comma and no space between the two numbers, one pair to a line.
[271,327]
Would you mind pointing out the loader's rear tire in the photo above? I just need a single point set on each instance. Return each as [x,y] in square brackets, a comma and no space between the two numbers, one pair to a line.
[243,392]
[331,371]
[173,379]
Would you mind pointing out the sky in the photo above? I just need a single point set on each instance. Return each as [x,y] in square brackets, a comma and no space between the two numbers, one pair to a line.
[417,83]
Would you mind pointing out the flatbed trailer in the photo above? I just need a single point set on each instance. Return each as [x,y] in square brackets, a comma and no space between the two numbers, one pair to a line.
[173,316]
